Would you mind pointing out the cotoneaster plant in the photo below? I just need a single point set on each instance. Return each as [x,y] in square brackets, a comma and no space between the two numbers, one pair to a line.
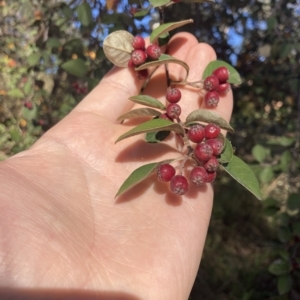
[205,148]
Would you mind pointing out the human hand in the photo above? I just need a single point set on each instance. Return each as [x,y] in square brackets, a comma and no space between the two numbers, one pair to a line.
[62,230]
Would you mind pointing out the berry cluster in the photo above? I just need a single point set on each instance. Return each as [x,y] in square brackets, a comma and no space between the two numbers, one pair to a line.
[79,88]
[141,54]
[208,147]
[216,84]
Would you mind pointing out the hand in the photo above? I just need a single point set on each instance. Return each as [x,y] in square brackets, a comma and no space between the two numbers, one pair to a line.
[62,230]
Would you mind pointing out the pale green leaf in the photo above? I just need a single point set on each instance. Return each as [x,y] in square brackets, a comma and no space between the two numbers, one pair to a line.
[279,267]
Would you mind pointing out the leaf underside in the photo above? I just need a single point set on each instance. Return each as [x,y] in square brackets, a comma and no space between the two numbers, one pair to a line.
[227,154]
[148,101]
[206,116]
[139,112]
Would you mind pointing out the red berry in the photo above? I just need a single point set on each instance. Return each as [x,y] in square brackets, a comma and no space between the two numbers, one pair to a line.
[138,57]
[173,110]
[196,133]
[133,10]
[212,131]
[165,172]
[130,64]
[211,99]
[166,117]
[173,95]
[217,146]
[28,104]
[222,74]
[179,185]
[142,74]
[211,176]
[153,51]
[138,43]
[211,83]
[223,88]
[211,165]
[203,152]
[198,176]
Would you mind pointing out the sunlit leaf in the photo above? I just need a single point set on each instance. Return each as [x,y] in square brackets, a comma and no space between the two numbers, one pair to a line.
[118,47]
[164,28]
[266,174]
[75,67]
[164,59]
[157,3]
[206,116]
[259,152]
[84,14]
[141,13]
[234,76]
[139,175]
[152,126]
[33,59]
[148,101]
[285,160]
[139,112]
[243,174]
[227,154]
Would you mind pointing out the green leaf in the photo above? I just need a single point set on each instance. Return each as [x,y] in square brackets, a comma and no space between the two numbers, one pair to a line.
[84,14]
[284,234]
[33,59]
[152,126]
[266,174]
[141,13]
[148,101]
[296,228]
[139,175]
[156,137]
[243,174]
[139,112]
[16,93]
[259,152]
[279,267]
[29,114]
[206,116]
[285,160]
[293,202]
[53,43]
[28,87]
[75,67]
[227,154]
[234,76]
[282,141]
[284,284]
[164,28]
[157,3]
[164,59]
[15,134]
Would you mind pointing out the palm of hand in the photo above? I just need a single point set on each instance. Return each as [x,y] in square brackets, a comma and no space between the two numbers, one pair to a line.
[74,234]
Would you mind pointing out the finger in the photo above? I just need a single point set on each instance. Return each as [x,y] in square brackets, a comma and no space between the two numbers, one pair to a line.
[110,97]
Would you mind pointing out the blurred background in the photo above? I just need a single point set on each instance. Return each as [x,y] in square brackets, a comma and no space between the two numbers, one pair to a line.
[51,56]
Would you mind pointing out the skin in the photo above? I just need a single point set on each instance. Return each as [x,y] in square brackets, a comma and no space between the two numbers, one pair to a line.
[62,232]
